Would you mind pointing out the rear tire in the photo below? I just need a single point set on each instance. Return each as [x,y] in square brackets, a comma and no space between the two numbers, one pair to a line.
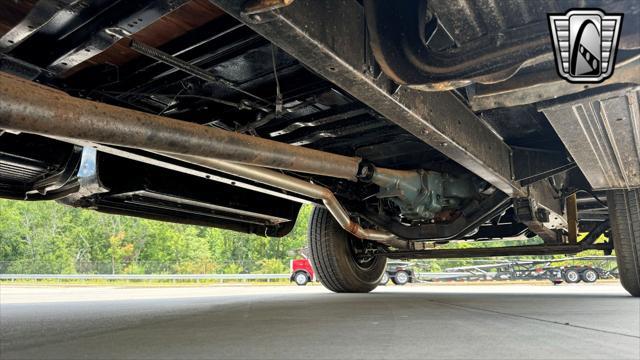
[624,214]
[332,255]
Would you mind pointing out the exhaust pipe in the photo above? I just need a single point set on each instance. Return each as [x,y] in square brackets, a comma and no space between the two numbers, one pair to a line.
[32,108]
[300,187]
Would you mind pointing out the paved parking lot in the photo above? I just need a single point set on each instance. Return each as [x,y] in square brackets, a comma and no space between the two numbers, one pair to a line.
[230,322]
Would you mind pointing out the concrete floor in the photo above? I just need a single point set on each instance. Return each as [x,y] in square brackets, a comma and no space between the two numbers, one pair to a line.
[595,321]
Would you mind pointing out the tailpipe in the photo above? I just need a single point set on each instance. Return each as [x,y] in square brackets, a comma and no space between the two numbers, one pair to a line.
[301,187]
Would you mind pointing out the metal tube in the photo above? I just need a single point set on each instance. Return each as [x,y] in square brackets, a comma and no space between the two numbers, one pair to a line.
[297,186]
[571,204]
[32,108]
[496,251]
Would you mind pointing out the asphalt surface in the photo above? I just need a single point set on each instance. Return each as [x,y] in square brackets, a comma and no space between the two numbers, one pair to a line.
[412,322]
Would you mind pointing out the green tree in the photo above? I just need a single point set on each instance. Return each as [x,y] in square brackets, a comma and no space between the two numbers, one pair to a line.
[47,237]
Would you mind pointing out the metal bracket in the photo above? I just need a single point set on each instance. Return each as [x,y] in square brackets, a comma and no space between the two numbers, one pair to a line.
[539,219]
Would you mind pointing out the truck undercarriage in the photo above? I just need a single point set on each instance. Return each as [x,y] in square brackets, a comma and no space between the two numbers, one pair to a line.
[408,124]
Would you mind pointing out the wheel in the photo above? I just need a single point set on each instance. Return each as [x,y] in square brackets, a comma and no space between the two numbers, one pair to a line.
[401,278]
[624,214]
[589,276]
[301,278]
[334,256]
[385,279]
[571,276]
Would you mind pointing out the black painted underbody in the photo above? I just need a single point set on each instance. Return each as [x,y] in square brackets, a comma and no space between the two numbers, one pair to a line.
[281,99]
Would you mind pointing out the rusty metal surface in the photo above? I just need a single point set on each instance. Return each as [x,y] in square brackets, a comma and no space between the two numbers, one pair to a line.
[28,107]
[406,55]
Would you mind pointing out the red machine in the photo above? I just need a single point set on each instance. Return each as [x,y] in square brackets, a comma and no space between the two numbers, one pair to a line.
[302,271]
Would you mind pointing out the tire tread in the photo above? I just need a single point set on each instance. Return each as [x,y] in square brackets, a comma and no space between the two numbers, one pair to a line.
[324,233]
[624,213]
